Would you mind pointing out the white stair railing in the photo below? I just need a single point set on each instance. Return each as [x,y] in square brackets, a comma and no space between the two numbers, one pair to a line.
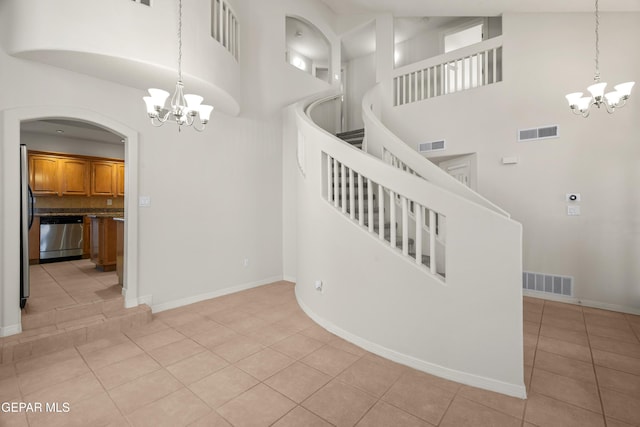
[225,27]
[467,68]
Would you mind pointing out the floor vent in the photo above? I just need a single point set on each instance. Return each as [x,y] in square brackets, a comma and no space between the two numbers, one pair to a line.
[559,285]
[425,147]
[538,133]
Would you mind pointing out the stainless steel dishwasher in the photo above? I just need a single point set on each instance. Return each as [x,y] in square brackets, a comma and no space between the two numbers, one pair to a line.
[60,238]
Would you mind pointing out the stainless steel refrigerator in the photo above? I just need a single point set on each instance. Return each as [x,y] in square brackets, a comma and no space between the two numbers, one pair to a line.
[26,221]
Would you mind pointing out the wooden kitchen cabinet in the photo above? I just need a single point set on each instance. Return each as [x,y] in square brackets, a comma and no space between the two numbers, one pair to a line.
[103,243]
[52,174]
[119,179]
[74,177]
[34,241]
[103,181]
[43,175]
[86,237]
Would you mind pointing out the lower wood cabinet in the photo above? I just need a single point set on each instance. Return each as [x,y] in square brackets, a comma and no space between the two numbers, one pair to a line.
[104,243]
[34,241]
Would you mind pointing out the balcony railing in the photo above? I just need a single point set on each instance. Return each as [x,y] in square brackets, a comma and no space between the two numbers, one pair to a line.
[463,69]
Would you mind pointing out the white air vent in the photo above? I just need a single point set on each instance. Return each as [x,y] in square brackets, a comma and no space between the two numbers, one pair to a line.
[144,2]
[538,133]
[431,146]
[548,283]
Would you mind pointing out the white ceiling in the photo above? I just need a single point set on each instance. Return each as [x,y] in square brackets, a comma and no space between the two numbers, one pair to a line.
[476,7]
[306,40]
[71,129]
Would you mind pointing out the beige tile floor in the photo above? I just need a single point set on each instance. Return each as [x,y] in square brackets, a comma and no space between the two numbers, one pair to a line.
[254,359]
[63,284]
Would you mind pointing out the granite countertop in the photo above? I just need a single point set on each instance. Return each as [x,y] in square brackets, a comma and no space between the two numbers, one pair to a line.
[93,212]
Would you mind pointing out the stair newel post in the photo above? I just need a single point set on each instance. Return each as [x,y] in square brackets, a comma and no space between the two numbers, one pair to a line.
[370,204]
[336,193]
[343,180]
[392,218]
[381,211]
[405,225]
[352,213]
[360,201]
[418,212]
[432,241]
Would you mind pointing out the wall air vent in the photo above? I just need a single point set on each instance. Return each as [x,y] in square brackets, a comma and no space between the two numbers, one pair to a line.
[545,132]
[548,283]
[144,2]
[425,147]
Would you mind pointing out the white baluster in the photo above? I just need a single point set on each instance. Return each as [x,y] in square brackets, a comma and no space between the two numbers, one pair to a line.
[352,185]
[392,218]
[370,204]
[418,212]
[432,241]
[381,211]
[423,83]
[405,226]
[336,193]
[360,201]
[343,179]
[495,65]
[329,176]
[404,89]
[221,21]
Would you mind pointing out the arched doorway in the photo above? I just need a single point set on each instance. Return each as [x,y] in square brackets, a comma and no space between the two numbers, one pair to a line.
[10,121]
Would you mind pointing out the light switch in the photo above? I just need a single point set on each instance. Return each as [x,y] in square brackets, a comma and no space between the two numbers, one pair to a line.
[573,210]
[144,201]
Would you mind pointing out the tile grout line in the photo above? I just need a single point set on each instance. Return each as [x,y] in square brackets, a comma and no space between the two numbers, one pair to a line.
[595,373]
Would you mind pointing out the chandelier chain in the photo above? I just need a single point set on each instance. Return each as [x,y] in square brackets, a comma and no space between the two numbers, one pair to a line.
[180,40]
[597,74]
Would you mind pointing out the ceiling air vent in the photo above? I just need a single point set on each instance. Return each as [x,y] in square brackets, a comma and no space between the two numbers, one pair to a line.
[545,132]
[425,147]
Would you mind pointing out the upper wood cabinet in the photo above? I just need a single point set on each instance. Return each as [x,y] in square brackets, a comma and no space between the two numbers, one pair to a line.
[119,179]
[61,175]
[103,181]
[74,177]
[43,175]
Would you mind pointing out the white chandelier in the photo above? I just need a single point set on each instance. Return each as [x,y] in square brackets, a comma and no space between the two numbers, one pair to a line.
[183,108]
[611,100]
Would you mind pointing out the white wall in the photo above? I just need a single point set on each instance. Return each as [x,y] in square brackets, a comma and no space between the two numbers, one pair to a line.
[361,76]
[545,57]
[61,144]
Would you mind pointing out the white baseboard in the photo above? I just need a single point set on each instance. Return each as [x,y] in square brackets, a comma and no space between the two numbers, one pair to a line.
[582,302]
[514,390]
[6,331]
[289,279]
[197,298]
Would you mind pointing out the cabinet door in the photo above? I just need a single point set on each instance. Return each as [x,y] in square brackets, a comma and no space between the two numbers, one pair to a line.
[75,177]
[86,238]
[119,179]
[34,241]
[43,175]
[102,179]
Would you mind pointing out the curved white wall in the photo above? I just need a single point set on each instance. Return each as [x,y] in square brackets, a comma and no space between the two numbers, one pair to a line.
[126,42]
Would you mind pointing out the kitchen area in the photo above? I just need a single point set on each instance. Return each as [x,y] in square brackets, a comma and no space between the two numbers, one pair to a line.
[76,178]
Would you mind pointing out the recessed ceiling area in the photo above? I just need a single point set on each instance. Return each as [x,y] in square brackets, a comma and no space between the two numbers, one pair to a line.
[307,40]
[71,129]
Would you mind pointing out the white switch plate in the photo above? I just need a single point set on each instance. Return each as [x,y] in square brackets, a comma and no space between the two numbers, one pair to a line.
[573,210]
[109,202]
[318,285]
[245,262]
[144,201]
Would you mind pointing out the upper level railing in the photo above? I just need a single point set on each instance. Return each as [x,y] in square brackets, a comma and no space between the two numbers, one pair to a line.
[463,69]
[224,26]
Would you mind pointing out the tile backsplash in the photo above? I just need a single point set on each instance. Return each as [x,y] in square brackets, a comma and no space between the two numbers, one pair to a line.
[78,202]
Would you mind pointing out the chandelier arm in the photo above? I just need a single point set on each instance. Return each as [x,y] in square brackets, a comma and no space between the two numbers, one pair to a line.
[596,77]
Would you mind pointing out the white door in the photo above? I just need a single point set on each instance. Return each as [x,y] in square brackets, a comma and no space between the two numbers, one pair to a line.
[459,168]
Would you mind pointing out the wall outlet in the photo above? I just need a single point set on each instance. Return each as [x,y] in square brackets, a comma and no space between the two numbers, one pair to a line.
[318,285]
[109,202]
[245,263]
[144,201]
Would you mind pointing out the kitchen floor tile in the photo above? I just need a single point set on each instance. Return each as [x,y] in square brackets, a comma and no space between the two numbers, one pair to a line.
[339,403]
[298,381]
[258,406]
[219,388]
